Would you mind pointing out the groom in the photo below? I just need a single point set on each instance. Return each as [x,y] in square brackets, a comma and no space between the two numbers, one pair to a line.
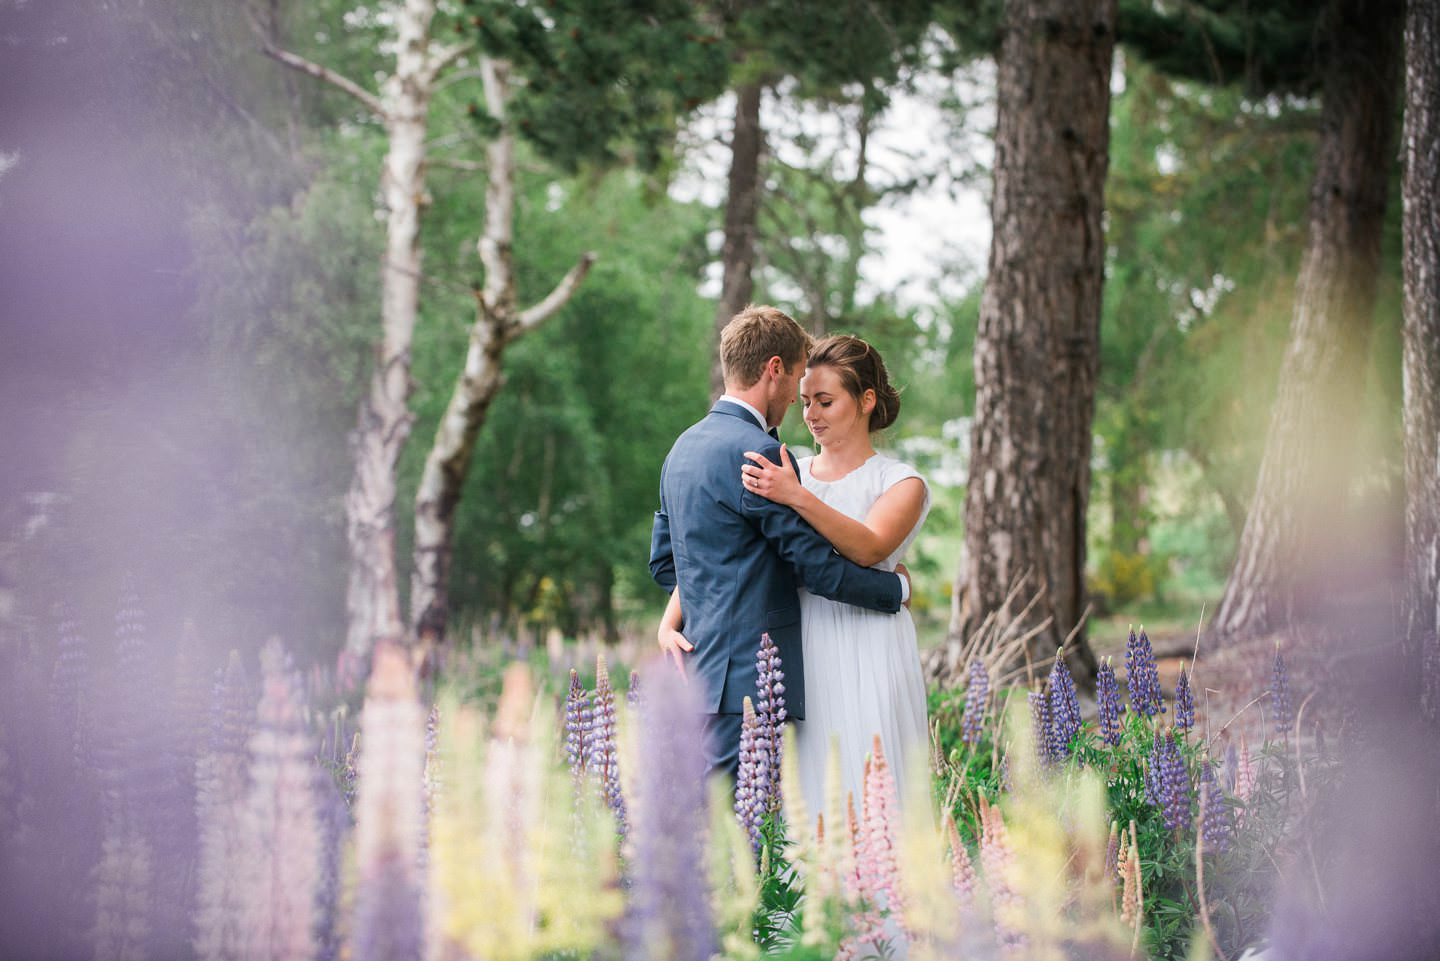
[736,557]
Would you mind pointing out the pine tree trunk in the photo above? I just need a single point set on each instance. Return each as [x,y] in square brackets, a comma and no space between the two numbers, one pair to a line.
[1421,221]
[1037,347]
[1296,517]
[383,427]
[496,326]
[742,208]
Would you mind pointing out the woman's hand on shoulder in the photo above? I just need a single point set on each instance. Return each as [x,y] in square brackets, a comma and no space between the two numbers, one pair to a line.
[779,484]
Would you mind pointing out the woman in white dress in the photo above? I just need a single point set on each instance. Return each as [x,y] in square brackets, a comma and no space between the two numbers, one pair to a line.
[862,667]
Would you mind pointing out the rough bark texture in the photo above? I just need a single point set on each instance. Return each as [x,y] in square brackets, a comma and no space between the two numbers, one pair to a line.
[1421,220]
[1037,347]
[742,208]
[497,325]
[1295,528]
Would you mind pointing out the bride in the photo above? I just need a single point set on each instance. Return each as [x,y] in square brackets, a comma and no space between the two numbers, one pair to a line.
[862,667]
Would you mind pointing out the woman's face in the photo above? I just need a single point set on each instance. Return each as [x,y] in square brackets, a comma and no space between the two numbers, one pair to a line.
[831,413]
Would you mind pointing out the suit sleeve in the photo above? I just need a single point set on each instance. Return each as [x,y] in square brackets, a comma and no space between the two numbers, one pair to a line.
[662,553]
[819,567]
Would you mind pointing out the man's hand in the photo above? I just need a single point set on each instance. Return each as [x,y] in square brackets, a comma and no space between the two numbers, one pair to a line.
[672,643]
[909,583]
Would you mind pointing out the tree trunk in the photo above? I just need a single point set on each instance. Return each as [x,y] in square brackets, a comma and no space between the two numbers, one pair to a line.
[373,596]
[742,207]
[1037,346]
[497,325]
[1289,543]
[1421,222]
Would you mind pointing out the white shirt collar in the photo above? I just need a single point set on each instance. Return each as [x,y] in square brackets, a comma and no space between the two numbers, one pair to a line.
[749,408]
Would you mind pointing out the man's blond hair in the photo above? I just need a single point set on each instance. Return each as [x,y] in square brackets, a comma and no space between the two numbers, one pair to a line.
[753,337]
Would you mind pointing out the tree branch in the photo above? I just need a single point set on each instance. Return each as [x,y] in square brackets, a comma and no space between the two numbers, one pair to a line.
[557,298]
[463,165]
[323,73]
[444,57]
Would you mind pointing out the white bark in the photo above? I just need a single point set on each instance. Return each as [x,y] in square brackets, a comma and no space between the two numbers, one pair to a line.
[497,324]
[373,596]
[383,424]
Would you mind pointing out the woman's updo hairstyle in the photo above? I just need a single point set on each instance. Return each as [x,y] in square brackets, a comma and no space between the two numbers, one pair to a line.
[860,369]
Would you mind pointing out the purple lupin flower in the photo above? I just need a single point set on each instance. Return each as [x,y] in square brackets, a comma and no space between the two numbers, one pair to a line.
[602,751]
[1281,705]
[221,784]
[771,714]
[1064,710]
[668,914]
[752,776]
[1111,709]
[577,728]
[70,685]
[1184,701]
[1142,675]
[1167,784]
[632,694]
[1040,723]
[977,692]
[1217,826]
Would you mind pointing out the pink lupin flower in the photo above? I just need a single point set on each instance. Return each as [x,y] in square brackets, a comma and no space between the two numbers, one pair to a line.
[961,870]
[996,859]
[878,924]
[387,921]
[283,825]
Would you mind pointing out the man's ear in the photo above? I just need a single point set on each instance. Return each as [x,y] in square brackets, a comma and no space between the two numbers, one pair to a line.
[775,367]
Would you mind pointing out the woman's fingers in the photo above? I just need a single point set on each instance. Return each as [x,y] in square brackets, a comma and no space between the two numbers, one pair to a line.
[759,457]
[755,479]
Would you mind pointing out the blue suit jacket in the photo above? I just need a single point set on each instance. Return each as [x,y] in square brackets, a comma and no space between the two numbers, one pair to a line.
[739,558]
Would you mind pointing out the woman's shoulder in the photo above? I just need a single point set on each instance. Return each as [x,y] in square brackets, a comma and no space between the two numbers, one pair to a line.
[890,471]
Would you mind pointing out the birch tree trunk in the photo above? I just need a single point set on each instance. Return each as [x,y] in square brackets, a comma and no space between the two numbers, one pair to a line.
[372,599]
[1421,226]
[497,325]
[1289,541]
[1037,347]
[742,208]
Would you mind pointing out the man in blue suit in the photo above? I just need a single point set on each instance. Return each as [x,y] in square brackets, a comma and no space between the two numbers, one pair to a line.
[737,558]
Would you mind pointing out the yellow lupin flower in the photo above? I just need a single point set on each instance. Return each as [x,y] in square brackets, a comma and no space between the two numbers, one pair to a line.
[517,873]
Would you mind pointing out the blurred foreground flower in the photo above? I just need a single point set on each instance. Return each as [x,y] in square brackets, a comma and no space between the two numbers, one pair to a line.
[282,830]
[520,870]
[387,922]
[668,911]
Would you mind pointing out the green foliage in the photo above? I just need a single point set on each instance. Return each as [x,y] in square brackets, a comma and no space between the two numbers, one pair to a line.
[600,76]
[1238,883]
[555,520]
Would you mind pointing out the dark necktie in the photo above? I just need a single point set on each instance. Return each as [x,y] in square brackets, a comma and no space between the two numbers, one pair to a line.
[775,434]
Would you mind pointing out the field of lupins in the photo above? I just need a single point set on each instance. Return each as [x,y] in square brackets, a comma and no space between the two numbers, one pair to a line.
[149,810]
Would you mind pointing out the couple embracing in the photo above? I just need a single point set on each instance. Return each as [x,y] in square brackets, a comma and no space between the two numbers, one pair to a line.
[749,542]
